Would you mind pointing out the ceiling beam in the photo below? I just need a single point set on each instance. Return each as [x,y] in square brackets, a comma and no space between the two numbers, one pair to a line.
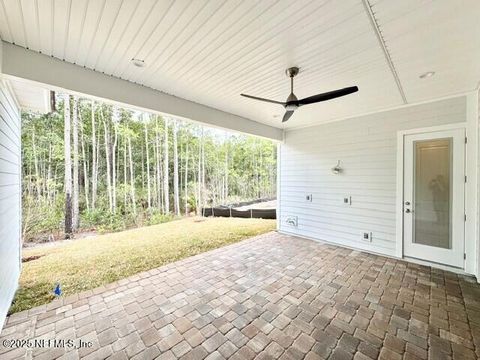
[386,53]
[1,55]
[53,73]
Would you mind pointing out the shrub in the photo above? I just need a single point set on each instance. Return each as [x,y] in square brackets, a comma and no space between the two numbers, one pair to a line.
[156,217]
[103,220]
[41,218]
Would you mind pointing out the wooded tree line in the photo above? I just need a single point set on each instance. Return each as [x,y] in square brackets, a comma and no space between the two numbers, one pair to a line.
[94,165]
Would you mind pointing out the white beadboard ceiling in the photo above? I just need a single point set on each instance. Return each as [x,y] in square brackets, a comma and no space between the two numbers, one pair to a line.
[211,51]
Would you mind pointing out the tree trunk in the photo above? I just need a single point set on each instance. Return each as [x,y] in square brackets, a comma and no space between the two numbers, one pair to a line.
[94,158]
[68,170]
[35,161]
[165,171]
[49,172]
[225,196]
[75,200]
[149,191]
[199,179]
[85,169]
[203,196]
[114,168]
[175,171]
[159,167]
[132,177]
[125,174]
[186,179]
[143,169]
[107,159]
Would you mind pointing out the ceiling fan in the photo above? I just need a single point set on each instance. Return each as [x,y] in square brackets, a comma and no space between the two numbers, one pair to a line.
[292,103]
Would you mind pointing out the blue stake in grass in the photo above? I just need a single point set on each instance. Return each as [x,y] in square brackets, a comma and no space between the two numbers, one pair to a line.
[57,291]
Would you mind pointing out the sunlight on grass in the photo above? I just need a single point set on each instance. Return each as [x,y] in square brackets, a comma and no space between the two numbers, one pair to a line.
[92,262]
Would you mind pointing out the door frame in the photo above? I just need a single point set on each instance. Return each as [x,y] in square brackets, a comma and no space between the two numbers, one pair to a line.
[400,185]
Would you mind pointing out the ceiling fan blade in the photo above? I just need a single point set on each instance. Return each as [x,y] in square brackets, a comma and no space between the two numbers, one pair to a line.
[287,116]
[263,99]
[327,96]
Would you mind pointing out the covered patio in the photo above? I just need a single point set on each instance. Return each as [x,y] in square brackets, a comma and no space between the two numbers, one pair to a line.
[377,249]
[272,296]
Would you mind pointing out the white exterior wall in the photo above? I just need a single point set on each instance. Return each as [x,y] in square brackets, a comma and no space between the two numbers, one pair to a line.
[10,199]
[367,149]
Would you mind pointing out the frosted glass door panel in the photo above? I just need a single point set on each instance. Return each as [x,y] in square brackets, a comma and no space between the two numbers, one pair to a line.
[432,193]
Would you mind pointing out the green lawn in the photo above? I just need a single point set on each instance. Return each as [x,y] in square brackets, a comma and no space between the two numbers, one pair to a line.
[92,262]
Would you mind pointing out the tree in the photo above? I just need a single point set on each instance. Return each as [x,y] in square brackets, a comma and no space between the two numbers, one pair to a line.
[149,193]
[125,172]
[94,157]
[185,181]
[114,160]
[68,170]
[107,160]
[226,170]
[158,167]
[37,173]
[165,169]
[75,201]
[198,198]
[85,166]
[132,175]
[176,196]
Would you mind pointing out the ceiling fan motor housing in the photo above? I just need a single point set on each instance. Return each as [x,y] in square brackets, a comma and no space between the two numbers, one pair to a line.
[292,72]
[292,101]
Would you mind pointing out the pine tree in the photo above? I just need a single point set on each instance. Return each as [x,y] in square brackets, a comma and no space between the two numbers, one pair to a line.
[68,170]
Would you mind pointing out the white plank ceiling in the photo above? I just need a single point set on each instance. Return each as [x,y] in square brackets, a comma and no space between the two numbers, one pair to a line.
[211,51]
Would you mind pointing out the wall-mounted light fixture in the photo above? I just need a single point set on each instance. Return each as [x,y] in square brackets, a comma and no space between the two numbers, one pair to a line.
[337,169]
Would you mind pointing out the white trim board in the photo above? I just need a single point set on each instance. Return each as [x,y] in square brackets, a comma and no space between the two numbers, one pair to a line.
[21,63]
[471,190]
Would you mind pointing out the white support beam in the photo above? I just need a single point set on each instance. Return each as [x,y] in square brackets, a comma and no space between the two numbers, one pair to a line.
[56,74]
[1,55]
[471,199]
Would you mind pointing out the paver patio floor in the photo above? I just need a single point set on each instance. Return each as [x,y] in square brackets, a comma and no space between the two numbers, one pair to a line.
[272,296]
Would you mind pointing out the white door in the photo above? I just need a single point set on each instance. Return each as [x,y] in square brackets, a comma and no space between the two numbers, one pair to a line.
[433,197]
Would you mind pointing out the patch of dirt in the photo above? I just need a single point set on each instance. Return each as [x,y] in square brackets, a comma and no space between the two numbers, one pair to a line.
[54,242]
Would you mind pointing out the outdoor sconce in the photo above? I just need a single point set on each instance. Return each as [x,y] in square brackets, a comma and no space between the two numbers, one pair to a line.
[337,169]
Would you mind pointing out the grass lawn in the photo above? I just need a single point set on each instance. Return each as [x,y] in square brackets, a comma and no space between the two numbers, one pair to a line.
[92,262]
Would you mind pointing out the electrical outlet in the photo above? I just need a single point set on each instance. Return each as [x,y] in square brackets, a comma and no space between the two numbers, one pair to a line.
[309,197]
[367,236]
[347,200]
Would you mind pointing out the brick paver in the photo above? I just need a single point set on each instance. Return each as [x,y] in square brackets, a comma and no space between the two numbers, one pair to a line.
[272,296]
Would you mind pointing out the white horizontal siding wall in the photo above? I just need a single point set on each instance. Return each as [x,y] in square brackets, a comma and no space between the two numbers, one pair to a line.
[10,199]
[367,148]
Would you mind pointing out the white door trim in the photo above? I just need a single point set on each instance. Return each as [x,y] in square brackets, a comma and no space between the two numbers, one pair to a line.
[400,184]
